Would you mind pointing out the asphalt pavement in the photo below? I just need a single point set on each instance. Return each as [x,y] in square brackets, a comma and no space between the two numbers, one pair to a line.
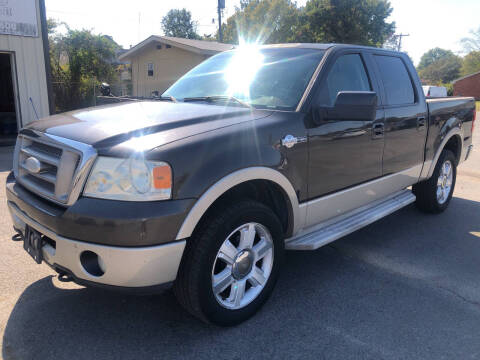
[405,287]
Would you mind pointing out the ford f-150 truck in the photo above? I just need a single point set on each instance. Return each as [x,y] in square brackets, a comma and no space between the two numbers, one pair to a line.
[254,151]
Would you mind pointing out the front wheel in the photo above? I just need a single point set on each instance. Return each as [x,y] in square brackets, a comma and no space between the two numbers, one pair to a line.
[434,194]
[231,264]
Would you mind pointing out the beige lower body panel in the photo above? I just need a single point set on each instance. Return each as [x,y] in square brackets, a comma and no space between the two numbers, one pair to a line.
[123,266]
[330,206]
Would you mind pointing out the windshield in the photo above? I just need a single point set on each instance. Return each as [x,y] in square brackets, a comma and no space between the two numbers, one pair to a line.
[263,78]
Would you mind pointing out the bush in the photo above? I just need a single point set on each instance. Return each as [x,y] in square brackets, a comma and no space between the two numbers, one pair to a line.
[449,87]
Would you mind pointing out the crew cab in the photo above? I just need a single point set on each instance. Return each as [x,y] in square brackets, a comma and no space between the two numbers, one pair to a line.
[255,151]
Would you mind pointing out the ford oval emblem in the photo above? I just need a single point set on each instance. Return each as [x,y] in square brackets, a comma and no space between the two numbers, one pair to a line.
[33,165]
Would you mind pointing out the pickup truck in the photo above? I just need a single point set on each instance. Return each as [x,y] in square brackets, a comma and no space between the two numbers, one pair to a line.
[255,151]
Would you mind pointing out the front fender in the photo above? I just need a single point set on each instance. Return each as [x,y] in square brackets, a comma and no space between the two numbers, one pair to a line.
[208,164]
[228,182]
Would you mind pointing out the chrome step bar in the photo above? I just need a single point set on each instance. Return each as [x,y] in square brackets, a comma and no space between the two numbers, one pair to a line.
[333,229]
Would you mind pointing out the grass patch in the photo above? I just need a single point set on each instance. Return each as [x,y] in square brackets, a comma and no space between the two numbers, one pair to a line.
[478,105]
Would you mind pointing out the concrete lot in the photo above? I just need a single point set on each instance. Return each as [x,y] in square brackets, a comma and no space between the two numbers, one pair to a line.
[407,286]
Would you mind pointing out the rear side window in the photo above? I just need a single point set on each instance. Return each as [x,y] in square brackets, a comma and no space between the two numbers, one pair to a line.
[347,74]
[397,82]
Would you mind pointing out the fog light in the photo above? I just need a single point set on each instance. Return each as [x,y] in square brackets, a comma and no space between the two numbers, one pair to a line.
[92,263]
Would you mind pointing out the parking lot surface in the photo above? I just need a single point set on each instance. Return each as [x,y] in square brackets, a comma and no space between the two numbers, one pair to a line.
[405,287]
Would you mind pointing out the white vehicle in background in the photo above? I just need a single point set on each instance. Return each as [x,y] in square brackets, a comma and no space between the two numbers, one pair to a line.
[434,91]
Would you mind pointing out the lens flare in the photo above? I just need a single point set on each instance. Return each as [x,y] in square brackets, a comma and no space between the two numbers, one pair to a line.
[241,70]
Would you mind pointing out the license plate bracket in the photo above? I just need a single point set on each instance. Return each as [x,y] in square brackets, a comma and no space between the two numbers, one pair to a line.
[33,243]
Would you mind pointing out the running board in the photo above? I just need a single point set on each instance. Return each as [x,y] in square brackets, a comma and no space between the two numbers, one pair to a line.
[336,228]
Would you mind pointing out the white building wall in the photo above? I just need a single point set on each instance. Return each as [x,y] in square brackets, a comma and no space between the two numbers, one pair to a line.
[30,72]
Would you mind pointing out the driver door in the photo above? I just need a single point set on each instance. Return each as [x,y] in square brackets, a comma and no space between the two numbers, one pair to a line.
[343,152]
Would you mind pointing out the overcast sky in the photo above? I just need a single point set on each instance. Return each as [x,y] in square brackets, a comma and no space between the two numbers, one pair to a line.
[430,23]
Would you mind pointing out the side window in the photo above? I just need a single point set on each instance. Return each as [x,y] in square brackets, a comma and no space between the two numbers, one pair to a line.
[150,69]
[397,82]
[347,74]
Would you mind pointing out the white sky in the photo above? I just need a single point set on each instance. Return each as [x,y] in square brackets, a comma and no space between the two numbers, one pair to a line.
[430,23]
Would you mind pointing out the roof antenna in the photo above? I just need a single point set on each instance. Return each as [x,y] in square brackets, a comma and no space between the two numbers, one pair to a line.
[34,110]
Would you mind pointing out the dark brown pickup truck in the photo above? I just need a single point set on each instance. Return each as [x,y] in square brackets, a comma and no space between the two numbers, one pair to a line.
[254,151]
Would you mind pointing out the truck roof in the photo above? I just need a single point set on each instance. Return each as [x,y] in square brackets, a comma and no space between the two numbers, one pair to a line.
[325,46]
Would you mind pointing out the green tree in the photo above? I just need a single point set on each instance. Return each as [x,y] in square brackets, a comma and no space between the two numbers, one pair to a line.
[52,25]
[441,71]
[79,59]
[472,43]
[471,63]
[343,21]
[432,56]
[179,23]
[361,22]
[262,21]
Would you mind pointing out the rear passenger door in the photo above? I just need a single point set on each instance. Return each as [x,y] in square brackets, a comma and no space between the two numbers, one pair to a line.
[405,115]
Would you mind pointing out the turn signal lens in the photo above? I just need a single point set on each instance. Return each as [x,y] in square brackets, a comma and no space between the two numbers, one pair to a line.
[162,177]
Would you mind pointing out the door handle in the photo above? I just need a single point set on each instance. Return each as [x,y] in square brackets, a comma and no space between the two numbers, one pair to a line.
[378,130]
[421,122]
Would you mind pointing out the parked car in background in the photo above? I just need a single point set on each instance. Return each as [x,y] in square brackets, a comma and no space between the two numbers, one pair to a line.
[252,152]
[434,91]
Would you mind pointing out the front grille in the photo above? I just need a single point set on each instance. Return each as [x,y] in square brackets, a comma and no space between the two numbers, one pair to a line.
[58,169]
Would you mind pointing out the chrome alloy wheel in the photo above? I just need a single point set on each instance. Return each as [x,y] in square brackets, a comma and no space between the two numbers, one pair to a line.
[242,266]
[444,182]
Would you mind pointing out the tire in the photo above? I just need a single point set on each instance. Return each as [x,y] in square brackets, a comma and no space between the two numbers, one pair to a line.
[208,258]
[434,195]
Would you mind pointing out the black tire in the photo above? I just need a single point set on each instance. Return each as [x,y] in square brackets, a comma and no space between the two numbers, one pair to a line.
[193,286]
[426,191]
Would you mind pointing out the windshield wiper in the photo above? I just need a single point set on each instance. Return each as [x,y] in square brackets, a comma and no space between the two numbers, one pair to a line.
[167,98]
[217,98]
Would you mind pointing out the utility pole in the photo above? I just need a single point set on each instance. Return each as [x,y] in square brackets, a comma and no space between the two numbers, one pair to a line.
[221,5]
[400,36]
[138,29]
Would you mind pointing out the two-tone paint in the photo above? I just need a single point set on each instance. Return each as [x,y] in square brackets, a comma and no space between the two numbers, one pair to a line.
[212,149]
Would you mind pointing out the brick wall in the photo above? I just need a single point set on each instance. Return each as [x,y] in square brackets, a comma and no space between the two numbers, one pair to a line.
[469,86]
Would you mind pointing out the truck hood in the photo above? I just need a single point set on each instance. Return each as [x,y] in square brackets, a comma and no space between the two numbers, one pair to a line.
[111,125]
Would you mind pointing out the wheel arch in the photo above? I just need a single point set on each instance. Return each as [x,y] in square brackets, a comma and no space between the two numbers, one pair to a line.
[452,141]
[454,144]
[234,180]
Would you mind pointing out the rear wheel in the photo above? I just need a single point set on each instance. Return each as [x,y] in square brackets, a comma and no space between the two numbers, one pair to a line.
[231,264]
[434,194]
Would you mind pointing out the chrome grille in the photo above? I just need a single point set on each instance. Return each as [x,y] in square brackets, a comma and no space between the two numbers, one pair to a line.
[52,167]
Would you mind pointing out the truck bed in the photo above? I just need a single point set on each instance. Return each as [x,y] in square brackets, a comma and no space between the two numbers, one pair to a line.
[447,113]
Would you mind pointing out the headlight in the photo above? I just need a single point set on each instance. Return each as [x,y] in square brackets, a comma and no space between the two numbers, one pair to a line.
[133,179]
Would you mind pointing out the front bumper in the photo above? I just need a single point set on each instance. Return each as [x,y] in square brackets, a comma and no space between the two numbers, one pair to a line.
[104,222]
[130,267]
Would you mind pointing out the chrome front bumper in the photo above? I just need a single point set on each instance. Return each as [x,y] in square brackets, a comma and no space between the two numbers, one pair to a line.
[122,266]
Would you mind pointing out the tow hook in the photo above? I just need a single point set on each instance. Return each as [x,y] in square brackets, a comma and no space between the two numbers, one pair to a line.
[18,236]
[64,277]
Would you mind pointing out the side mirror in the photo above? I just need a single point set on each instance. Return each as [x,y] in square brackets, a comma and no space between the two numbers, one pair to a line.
[349,106]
